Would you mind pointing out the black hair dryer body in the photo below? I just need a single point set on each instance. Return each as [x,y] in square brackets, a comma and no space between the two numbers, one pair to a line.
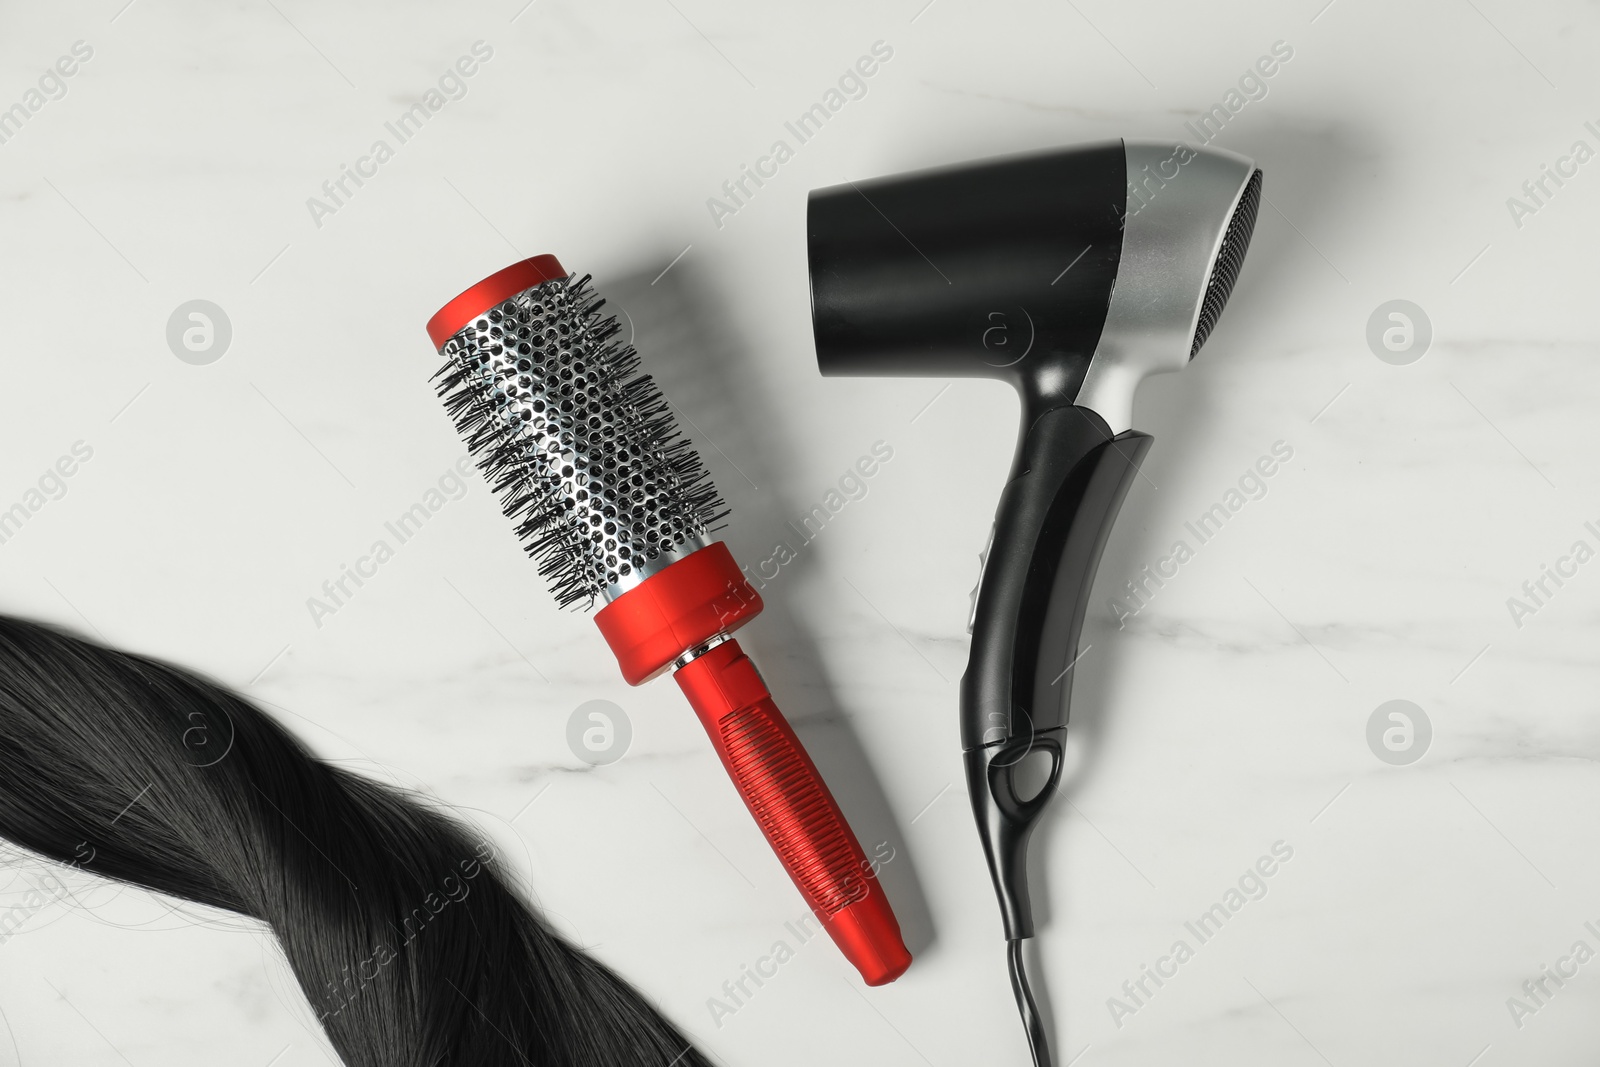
[1072,274]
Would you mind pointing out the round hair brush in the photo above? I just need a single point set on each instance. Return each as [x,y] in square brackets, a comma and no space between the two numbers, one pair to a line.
[616,506]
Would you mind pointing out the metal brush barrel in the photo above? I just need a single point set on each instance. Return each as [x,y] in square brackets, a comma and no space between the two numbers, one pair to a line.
[582,450]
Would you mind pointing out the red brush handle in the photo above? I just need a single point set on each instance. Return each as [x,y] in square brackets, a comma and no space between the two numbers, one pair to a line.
[700,599]
[791,803]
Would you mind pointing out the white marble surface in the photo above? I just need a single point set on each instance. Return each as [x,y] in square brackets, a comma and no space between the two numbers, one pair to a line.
[1229,715]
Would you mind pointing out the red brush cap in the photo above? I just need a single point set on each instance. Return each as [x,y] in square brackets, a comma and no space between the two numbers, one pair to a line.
[869,936]
[686,604]
[495,289]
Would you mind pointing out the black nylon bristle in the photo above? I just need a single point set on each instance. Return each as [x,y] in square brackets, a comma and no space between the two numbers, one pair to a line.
[582,450]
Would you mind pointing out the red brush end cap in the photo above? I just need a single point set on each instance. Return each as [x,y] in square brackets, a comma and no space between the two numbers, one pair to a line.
[868,935]
[495,289]
[684,605]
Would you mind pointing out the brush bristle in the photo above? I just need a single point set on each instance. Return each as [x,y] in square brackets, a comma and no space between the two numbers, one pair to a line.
[581,449]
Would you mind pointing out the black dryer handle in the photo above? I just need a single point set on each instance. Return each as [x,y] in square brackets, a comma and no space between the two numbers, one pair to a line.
[1067,484]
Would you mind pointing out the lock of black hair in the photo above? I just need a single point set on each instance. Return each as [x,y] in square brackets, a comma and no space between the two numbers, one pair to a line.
[399,923]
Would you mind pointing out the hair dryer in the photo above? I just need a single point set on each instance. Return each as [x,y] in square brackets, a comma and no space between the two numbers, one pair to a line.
[1071,274]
